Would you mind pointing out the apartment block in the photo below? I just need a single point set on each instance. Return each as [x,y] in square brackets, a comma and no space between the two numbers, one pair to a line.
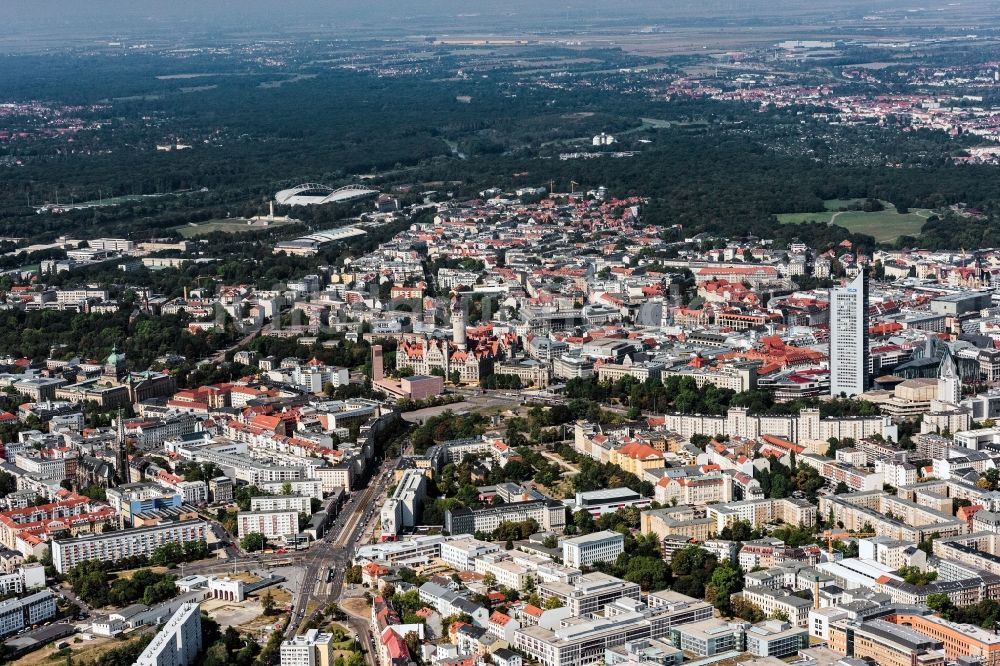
[778,601]
[853,477]
[506,571]
[461,554]
[308,487]
[113,546]
[272,524]
[549,514]
[178,642]
[759,512]
[309,649]
[890,516]
[299,503]
[16,614]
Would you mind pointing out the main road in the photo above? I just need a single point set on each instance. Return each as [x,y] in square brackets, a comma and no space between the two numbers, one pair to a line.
[335,551]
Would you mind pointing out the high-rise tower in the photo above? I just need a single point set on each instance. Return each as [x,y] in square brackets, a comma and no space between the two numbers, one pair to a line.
[949,384]
[378,367]
[121,456]
[849,337]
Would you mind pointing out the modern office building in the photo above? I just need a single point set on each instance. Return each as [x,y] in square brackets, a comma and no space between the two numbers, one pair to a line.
[677,608]
[649,651]
[960,640]
[887,644]
[584,550]
[113,546]
[582,641]
[608,500]
[708,638]
[774,638]
[849,337]
[178,643]
[590,593]
[402,509]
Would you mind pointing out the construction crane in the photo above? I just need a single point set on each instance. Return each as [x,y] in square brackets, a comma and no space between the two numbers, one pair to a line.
[831,536]
[572,186]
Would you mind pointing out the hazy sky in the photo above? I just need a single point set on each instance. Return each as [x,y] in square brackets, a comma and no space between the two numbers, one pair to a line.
[79,18]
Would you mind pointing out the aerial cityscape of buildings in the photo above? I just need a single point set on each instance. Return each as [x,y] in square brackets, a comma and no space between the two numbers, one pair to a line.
[649,348]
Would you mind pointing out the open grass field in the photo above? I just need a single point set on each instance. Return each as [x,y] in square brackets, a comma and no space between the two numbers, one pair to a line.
[884,225]
[233,226]
[88,651]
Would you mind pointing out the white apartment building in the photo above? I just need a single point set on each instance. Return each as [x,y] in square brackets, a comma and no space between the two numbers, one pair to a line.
[113,546]
[772,601]
[312,378]
[334,477]
[64,296]
[307,487]
[16,614]
[47,467]
[584,550]
[193,492]
[27,577]
[506,571]
[178,643]
[461,554]
[895,473]
[391,519]
[272,524]
[299,503]
[309,649]
[112,244]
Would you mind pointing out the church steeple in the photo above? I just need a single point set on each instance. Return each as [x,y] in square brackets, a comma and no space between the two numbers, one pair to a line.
[121,456]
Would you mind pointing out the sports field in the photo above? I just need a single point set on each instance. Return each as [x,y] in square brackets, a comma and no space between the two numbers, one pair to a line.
[883,225]
[232,226]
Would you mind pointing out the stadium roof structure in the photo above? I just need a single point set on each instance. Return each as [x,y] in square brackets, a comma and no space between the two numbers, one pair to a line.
[311,194]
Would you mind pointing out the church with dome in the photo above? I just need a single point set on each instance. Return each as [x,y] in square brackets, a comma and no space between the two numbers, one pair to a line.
[116,387]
